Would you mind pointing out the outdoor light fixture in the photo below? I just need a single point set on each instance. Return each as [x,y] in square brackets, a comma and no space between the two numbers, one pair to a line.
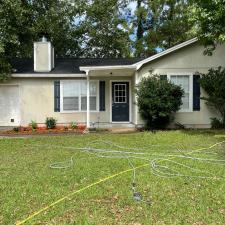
[151,70]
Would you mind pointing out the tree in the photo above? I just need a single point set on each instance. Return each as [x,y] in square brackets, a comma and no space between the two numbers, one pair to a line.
[104,35]
[213,83]
[14,29]
[22,22]
[209,19]
[157,100]
[174,26]
[55,19]
[160,24]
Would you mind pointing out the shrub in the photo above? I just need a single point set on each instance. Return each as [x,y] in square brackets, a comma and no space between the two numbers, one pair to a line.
[74,125]
[214,84]
[33,124]
[217,123]
[50,122]
[157,99]
[16,129]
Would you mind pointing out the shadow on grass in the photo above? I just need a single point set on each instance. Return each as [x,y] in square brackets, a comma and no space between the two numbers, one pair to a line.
[207,132]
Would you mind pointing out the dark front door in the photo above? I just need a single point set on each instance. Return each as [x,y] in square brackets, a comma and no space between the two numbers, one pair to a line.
[120,101]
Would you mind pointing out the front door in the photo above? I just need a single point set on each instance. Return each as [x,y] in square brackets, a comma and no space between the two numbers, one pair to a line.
[120,101]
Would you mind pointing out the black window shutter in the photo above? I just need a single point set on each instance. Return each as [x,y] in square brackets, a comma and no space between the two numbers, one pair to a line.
[102,95]
[196,93]
[57,96]
[163,77]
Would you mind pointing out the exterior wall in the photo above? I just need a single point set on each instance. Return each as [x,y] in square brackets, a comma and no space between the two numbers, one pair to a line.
[188,60]
[37,101]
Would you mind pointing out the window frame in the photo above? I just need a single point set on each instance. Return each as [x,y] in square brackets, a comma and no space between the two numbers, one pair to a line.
[115,96]
[62,82]
[190,109]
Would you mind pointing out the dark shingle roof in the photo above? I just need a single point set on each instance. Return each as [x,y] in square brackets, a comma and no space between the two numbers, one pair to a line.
[71,65]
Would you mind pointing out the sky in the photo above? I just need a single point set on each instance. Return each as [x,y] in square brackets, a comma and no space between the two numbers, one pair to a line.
[132,6]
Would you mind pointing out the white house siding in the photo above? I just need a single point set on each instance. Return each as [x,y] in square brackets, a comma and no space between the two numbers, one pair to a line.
[37,101]
[188,60]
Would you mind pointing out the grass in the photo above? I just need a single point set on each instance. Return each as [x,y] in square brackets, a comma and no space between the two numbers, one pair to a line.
[27,184]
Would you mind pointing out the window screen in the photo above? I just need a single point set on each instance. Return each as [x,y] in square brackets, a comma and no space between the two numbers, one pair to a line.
[75,95]
[183,81]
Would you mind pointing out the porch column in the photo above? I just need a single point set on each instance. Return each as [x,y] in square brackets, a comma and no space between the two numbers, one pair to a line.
[136,80]
[88,100]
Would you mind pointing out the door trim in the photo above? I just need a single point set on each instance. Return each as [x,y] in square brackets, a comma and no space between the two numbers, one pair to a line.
[110,100]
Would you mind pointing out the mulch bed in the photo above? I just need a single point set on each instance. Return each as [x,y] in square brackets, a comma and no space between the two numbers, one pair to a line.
[58,130]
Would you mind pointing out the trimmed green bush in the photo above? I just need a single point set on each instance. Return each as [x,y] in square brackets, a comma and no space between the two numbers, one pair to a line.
[50,122]
[157,100]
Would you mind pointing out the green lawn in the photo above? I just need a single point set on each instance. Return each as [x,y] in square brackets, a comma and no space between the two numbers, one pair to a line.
[28,184]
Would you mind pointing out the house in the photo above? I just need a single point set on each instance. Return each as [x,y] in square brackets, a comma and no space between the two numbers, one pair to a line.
[47,87]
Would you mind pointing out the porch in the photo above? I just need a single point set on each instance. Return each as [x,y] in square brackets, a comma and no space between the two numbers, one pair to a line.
[117,96]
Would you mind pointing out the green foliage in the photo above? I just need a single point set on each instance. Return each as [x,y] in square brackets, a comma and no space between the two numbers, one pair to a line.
[74,125]
[157,99]
[23,22]
[217,123]
[160,24]
[213,83]
[209,19]
[104,36]
[16,129]
[5,70]
[34,124]
[174,26]
[50,122]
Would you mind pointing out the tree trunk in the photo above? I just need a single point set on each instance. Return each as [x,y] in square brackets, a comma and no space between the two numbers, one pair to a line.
[140,30]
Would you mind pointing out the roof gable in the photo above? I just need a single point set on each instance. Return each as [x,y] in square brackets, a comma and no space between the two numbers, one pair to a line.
[166,52]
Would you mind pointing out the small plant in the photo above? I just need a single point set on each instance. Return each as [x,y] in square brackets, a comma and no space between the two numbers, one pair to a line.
[74,125]
[16,129]
[34,125]
[217,123]
[66,128]
[50,122]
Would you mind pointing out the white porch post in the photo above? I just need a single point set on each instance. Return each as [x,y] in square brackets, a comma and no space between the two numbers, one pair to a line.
[88,100]
[136,80]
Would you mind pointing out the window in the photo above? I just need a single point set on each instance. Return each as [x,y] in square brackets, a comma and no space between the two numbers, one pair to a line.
[120,93]
[184,82]
[74,96]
